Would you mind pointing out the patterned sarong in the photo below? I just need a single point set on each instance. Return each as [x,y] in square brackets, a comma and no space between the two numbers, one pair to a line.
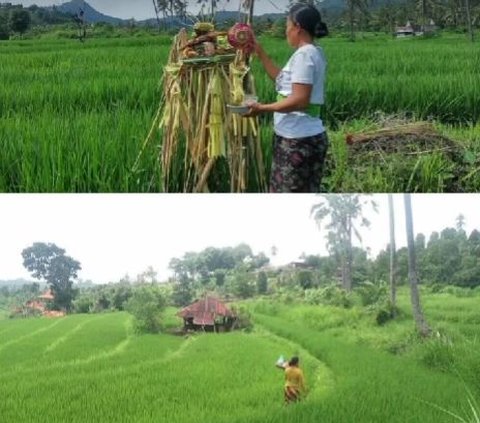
[297,164]
[291,394]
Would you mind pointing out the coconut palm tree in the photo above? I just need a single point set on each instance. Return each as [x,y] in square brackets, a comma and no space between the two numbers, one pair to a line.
[393,253]
[157,11]
[345,215]
[170,8]
[356,8]
[469,20]
[421,324]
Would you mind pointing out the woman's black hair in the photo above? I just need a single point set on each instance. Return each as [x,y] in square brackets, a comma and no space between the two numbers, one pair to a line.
[308,18]
[293,361]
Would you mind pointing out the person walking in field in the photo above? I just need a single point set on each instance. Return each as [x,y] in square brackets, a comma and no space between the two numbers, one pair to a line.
[294,387]
[301,142]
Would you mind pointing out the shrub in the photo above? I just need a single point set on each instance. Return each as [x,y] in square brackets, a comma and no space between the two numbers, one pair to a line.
[383,316]
[370,293]
[329,295]
[146,305]
[333,295]
[267,307]
[83,304]
[386,312]
[436,288]
[244,319]
[438,353]
[4,34]
[314,296]
[305,279]
[289,295]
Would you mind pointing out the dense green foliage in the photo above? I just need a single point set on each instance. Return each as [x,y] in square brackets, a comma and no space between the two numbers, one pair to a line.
[49,263]
[15,18]
[446,262]
[146,305]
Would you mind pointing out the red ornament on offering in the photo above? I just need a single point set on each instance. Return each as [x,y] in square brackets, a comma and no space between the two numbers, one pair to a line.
[241,37]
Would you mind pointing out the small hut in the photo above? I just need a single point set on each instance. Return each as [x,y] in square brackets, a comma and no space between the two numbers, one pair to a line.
[47,296]
[410,30]
[39,306]
[208,314]
[405,31]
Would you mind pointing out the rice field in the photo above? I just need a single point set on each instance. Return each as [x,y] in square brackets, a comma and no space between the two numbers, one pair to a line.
[94,368]
[73,116]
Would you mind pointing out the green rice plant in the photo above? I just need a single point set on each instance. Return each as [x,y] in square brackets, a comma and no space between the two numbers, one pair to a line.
[93,367]
[74,116]
[432,174]
[470,415]
[370,395]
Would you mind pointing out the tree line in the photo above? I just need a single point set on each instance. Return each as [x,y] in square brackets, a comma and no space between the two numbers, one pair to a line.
[19,19]
[450,257]
[351,16]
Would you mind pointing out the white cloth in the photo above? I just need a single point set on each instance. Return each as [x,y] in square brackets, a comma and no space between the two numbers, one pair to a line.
[306,66]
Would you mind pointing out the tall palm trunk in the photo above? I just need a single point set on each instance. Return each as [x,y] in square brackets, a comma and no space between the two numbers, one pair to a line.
[421,323]
[393,254]
[213,6]
[346,257]
[469,20]
[351,13]
[348,279]
[156,13]
[424,15]
[251,8]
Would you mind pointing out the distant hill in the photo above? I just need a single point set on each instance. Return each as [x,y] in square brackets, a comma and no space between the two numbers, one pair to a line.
[18,283]
[64,12]
[91,15]
[220,17]
[55,14]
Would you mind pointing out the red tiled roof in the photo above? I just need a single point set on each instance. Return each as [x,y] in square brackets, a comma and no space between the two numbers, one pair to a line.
[47,295]
[205,310]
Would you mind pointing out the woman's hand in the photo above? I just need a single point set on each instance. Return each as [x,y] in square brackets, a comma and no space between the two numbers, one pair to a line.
[254,109]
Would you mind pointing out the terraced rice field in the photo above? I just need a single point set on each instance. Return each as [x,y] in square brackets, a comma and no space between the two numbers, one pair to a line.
[93,368]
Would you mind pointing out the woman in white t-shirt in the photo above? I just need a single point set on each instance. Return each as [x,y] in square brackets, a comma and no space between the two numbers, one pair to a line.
[301,141]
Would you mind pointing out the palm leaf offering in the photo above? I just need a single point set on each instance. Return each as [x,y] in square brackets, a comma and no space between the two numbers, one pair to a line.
[204,147]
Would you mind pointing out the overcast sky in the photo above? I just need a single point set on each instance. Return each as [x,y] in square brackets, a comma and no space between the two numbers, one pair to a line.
[143,9]
[112,235]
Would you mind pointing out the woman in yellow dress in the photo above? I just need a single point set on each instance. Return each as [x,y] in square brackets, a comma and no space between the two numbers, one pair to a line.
[294,380]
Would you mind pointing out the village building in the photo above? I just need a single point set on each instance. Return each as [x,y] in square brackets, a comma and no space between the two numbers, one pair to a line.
[208,314]
[300,264]
[40,305]
[405,31]
[410,30]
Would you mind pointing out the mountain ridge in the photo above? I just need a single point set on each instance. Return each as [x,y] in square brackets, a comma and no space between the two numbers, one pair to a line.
[91,15]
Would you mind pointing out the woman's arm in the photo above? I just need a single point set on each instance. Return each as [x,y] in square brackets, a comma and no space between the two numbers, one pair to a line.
[299,100]
[271,69]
